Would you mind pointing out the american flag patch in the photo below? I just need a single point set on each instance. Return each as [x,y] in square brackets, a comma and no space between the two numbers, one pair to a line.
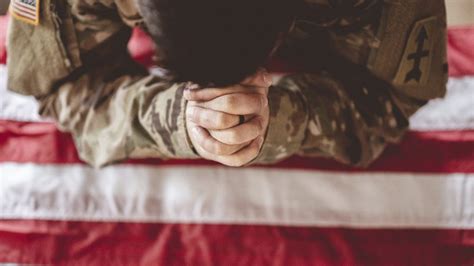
[25,10]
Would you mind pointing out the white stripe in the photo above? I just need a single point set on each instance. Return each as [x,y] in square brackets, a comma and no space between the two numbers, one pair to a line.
[455,112]
[237,196]
[15,106]
[23,13]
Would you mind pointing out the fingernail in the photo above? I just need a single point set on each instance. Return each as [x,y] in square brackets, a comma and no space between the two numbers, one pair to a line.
[264,101]
[260,141]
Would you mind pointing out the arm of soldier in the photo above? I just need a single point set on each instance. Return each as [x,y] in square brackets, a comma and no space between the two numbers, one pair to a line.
[126,116]
[363,101]
[85,79]
[314,115]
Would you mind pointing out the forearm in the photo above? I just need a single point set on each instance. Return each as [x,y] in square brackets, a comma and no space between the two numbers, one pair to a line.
[77,65]
[129,116]
[362,81]
[314,115]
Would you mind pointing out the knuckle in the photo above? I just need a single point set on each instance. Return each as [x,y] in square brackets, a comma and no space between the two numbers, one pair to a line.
[195,115]
[220,149]
[231,101]
[257,103]
[206,119]
[233,136]
[202,121]
[222,120]
[196,120]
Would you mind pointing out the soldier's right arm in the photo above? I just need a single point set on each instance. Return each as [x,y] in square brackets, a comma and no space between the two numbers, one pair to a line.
[76,63]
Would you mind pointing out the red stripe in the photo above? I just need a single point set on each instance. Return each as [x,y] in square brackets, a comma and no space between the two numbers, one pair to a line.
[22,10]
[440,152]
[92,243]
[461,52]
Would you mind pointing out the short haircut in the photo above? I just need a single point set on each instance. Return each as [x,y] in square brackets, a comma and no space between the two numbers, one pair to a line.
[217,42]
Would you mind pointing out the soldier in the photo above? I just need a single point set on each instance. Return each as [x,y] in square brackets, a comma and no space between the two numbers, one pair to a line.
[366,66]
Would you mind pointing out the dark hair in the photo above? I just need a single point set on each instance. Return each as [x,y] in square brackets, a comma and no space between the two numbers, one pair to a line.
[215,41]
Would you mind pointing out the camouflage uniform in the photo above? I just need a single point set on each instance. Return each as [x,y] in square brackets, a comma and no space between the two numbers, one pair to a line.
[75,62]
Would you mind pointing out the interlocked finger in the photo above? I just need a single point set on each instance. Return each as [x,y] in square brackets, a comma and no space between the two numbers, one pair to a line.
[243,133]
[211,119]
[206,142]
[240,158]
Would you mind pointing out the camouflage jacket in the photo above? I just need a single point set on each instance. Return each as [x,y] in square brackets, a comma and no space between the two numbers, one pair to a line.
[75,62]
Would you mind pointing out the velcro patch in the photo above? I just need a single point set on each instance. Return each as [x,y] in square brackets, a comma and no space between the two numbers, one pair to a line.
[26,10]
[415,64]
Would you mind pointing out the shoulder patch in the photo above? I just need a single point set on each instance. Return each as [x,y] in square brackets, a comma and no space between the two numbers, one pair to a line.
[26,10]
[414,68]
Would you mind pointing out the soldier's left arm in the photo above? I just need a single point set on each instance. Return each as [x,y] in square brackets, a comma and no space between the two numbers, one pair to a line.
[73,59]
[396,63]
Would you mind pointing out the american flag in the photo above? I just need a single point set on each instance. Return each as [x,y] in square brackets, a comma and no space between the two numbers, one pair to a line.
[26,10]
[414,206]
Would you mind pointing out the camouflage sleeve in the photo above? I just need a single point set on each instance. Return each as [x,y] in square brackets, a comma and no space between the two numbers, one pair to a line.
[389,60]
[75,62]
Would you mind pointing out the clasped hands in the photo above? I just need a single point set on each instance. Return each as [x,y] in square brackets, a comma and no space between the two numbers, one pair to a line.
[228,125]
